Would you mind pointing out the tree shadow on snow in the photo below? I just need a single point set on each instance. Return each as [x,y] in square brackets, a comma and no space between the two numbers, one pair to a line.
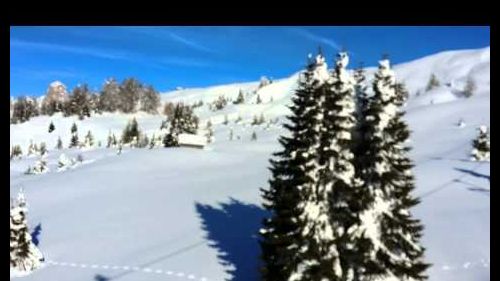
[36,234]
[232,228]
[100,277]
[473,173]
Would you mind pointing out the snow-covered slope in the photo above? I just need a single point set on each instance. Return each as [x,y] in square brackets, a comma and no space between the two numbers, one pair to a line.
[189,214]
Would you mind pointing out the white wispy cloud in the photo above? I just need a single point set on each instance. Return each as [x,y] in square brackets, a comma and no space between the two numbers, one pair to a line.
[99,53]
[119,55]
[317,38]
[163,34]
[189,43]
[181,61]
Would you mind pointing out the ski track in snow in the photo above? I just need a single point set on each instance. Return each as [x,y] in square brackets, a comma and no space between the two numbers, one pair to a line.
[178,274]
[485,263]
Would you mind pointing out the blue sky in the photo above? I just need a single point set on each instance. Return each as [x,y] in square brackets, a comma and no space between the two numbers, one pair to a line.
[167,57]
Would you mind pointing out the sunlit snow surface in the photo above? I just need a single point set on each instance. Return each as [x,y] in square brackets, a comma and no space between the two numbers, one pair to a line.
[194,214]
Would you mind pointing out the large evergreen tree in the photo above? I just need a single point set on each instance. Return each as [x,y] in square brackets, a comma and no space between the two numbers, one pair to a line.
[79,102]
[386,222]
[24,255]
[110,96]
[24,108]
[130,93]
[150,100]
[293,175]
[334,206]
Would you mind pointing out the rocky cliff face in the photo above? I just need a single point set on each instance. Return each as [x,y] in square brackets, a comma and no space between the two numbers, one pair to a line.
[56,92]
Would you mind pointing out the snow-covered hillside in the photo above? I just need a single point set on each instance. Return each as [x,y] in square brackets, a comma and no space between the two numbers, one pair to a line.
[190,214]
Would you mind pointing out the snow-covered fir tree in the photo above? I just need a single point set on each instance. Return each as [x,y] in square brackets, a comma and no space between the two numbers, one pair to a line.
[433,83]
[79,158]
[59,144]
[74,136]
[120,148]
[333,207]
[360,89]
[130,132]
[16,152]
[258,120]
[183,121]
[115,140]
[387,228]
[89,139]
[481,145]
[152,142]
[43,149]
[240,99]
[24,255]
[255,120]
[253,137]
[209,135]
[51,127]
[293,178]
[470,87]
[258,99]
[109,142]
[31,148]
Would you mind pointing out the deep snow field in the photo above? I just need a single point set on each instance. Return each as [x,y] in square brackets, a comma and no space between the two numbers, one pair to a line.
[192,214]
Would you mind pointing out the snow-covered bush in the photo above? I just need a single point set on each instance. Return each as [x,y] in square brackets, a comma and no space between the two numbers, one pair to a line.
[219,103]
[40,167]
[64,162]
[481,145]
